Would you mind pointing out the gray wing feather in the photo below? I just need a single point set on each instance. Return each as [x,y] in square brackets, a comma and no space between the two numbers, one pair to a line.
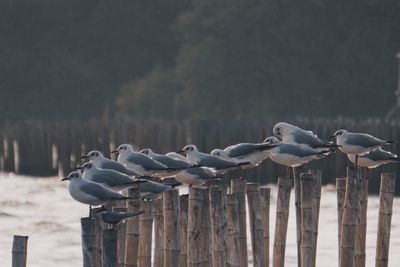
[218,163]
[377,155]
[298,150]
[145,162]
[153,187]
[311,140]
[363,140]
[100,191]
[117,166]
[201,173]
[172,163]
[111,178]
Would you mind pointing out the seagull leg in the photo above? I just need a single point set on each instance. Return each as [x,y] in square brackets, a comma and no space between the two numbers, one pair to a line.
[90,211]
[288,170]
[242,176]
[356,161]
[366,173]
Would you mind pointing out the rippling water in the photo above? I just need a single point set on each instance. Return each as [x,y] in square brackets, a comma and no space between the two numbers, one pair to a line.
[42,209]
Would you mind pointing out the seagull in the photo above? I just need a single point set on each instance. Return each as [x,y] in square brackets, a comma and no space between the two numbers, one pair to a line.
[294,135]
[293,155]
[374,159]
[220,165]
[357,143]
[98,159]
[109,178]
[92,194]
[152,189]
[142,163]
[196,176]
[168,161]
[115,218]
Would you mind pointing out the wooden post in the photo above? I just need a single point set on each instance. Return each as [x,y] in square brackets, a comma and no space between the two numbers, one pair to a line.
[282,217]
[132,229]
[307,219]
[218,226]
[145,233]
[171,232]
[316,205]
[256,226]
[121,238]
[90,232]
[349,221]
[194,226]
[183,226]
[19,251]
[385,218]
[341,191]
[239,187]
[158,232]
[109,244]
[297,204]
[205,236]
[232,220]
[265,194]
[361,227]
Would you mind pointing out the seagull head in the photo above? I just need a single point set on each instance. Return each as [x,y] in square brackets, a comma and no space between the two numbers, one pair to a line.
[93,155]
[188,149]
[124,148]
[218,152]
[282,128]
[72,176]
[87,167]
[337,133]
[271,140]
[147,151]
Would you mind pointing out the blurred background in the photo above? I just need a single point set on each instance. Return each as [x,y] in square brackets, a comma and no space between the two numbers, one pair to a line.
[77,76]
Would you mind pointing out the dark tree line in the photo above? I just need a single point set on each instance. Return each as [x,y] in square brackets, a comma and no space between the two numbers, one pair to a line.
[199,59]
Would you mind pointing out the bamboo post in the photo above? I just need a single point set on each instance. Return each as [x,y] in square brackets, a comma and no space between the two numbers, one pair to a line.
[132,229]
[256,226]
[341,191]
[205,237]
[183,226]
[265,194]
[282,217]
[171,232]
[19,251]
[349,221]
[297,204]
[307,219]
[158,232]
[385,217]
[232,220]
[218,226]
[238,187]
[90,229]
[361,227]
[316,206]
[194,226]
[145,233]
[109,244]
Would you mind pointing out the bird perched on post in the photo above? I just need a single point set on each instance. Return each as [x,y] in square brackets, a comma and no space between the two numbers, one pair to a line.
[293,155]
[92,194]
[294,135]
[114,218]
[357,143]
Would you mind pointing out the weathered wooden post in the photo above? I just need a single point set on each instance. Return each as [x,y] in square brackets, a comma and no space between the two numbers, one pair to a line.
[238,187]
[218,226]
[232,220]
[171,231]
[132,229]
[385,218]
[316,206]
[282,217]
[109,245]
[158,232]
[91,242]
[297,204]
[265,194]
[205,236]
[145,233]
[256,226]
[121,238]
[341,192]
[361,226]
[349,221]
[307,219]
[194,226]
[19,251]
[183,226]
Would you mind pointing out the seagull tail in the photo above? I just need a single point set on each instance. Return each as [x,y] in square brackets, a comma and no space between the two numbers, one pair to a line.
[244,163]
[173,184]
[389,141]
[194,166]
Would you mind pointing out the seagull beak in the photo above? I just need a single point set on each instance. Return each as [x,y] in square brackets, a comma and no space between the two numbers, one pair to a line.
[84,157]
[331,137]
[65,178]
[114,151]
[79,167]
[180,152]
